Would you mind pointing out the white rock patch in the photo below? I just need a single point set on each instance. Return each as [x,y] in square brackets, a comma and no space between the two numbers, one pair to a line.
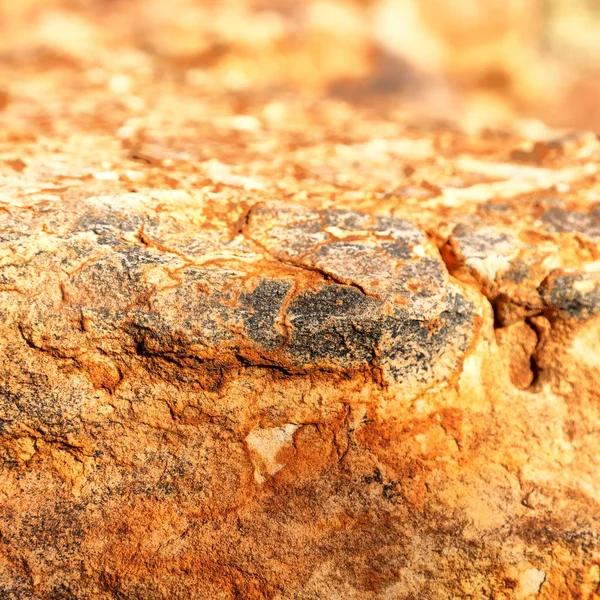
[530,582]
[264,445]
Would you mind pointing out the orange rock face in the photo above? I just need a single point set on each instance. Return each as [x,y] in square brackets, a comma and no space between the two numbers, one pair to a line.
[282,347]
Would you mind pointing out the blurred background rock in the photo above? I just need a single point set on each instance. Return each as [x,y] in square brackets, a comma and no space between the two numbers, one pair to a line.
[485,60]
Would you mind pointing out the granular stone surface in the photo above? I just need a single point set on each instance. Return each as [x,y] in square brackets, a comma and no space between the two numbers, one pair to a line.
[268,347]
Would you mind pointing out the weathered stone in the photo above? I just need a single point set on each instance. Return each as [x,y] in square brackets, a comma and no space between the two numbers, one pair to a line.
[290,350]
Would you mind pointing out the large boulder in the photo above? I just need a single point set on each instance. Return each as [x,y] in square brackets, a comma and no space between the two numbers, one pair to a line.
[291,349]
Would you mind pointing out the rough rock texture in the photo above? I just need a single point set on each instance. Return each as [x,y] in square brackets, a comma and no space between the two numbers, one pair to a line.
[291,349]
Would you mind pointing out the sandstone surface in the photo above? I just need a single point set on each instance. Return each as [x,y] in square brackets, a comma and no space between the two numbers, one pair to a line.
[268,347]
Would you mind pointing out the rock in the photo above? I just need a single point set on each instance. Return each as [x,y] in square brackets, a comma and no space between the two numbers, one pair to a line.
[327,355]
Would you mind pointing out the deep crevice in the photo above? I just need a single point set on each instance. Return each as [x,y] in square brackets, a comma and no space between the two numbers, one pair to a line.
[536,370]
[498,303]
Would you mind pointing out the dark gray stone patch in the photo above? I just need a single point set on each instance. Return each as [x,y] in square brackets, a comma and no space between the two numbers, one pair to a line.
[422,279]
[57,411]
[339,326]
[399,229]
[561,292]
[203,311]
[99,221]
[518,271]
[480,242]
[396,250]
[416,347]
[298,238]
[336,324]
[260,310]
[118,279]
[559,220]
[347,219]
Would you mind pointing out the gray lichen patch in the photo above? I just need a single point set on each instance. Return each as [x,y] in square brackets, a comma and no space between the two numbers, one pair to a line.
[573,295]
[420,353]
[484,249]
[560,220]
[262,312]
[386,258]
[335,325]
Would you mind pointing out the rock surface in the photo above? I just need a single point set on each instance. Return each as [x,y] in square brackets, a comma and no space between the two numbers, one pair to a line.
[292,349]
